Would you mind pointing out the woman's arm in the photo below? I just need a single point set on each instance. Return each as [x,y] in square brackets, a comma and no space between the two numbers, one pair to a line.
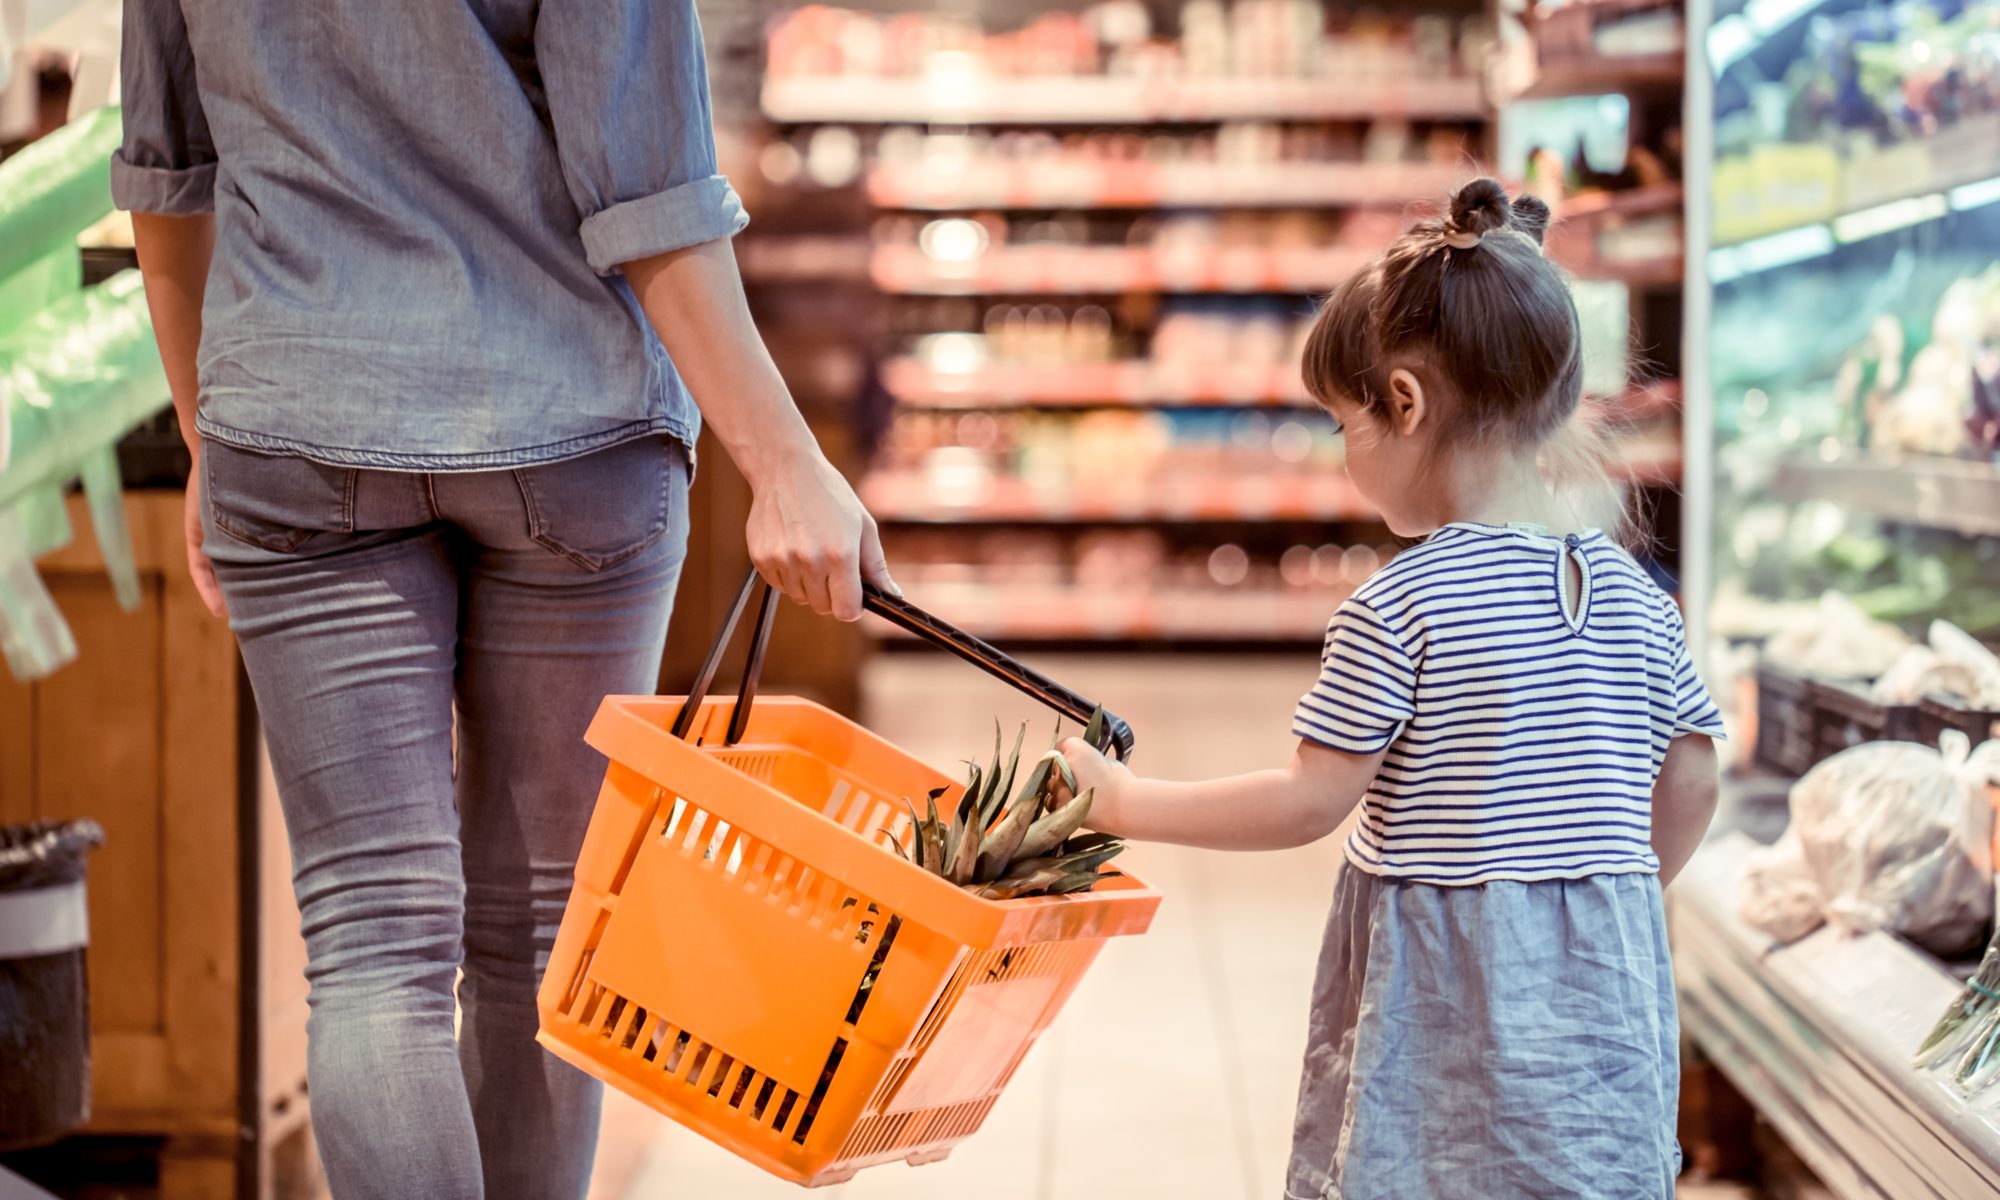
[174,253]
[1264,810]
[1683,802]
[808,533]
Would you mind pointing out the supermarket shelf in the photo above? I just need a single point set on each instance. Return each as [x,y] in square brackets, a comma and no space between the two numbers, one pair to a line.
[1105,100]
[1106,270]
[1941,493]
[1602,76]
[1138,383]
[1061,612]
[1765,198]
[1638,273]
[909,498]
[1655,200]
[946,185]
[803,259]
[1818,1035]
[1143,383]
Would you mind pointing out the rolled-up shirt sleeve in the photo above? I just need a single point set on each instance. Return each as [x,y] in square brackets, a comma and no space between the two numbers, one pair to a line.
[627,85]
[166,163]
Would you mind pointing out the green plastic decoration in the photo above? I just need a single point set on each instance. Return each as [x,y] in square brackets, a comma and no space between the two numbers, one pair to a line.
[78,369]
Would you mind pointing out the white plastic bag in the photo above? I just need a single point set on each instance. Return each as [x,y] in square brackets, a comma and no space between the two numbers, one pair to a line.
[1953,663]
[1888,835]
[1837,641]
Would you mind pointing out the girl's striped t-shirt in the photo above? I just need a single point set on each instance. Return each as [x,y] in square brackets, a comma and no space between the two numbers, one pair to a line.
[1521,728]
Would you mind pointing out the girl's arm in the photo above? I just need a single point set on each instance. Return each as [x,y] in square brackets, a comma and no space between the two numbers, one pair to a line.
[1683,802]
[1264,810]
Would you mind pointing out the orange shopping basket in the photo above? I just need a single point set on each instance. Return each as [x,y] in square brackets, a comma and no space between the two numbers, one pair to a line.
[743,953]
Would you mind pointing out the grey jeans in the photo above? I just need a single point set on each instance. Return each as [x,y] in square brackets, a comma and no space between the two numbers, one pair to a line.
[371,607]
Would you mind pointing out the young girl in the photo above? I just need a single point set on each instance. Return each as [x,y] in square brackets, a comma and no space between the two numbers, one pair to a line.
[1513,706]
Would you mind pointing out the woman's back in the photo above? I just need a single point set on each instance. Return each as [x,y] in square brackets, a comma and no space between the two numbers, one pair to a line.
[419,215]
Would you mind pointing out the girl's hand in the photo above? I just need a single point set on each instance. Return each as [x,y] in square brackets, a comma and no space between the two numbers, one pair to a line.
[1109,778]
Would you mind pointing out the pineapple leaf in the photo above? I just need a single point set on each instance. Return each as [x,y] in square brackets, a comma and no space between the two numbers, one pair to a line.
[895,843]
[969,802]
[916,833]
[998,792]
[1051,831]
[1005,840]
[1095,732]
[934,838]
[964,853]
[1090,841]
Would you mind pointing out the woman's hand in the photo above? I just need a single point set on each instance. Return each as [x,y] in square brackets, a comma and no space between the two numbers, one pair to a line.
[810,537]
[808,533]
[200,569]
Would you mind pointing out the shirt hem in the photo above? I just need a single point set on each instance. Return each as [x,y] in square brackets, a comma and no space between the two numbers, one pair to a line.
[448,463]
[1496,875]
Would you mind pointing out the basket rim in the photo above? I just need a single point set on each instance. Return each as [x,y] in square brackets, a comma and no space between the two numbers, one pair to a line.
[623,732]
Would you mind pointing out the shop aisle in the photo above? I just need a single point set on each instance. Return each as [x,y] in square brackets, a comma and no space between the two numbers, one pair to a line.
[1170,1074]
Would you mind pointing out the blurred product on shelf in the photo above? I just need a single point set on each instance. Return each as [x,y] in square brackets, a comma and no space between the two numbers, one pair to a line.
[1246,164]
[1951,663]
[1838,641]
[1879,103]
[1937,397]
[1834,678]
[1249,40]
[1295,251]
[1582,47]
[1888,836]
[1133,585]
[1191,464]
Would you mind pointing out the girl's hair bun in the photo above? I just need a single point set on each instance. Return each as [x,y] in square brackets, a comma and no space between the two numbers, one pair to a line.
[1480,207]
[1531,216]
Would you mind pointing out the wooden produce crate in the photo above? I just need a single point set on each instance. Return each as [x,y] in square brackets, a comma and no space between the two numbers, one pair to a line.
[197,989]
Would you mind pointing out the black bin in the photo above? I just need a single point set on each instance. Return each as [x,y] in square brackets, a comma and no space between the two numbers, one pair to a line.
[44,995]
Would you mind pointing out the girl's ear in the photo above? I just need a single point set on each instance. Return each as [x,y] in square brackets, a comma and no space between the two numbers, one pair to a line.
[1406,401]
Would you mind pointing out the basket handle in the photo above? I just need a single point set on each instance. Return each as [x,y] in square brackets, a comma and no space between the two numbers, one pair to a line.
[899,612]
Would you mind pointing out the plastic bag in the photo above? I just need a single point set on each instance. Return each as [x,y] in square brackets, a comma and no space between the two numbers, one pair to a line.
[1953,664]
[46,853]
[1889,835]
[1838,641]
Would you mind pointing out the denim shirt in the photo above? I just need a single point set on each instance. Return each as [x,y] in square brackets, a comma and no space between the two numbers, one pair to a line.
[420,213]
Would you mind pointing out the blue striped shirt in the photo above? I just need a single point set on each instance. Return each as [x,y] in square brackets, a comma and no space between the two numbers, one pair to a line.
[1521,728]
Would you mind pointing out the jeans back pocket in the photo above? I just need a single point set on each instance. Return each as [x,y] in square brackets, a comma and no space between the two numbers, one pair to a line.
[606,507]
[275,502]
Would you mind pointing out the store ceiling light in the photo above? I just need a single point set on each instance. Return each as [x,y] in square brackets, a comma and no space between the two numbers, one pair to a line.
[1886,218]
[1975,195]
[1765,253]
[1734,38]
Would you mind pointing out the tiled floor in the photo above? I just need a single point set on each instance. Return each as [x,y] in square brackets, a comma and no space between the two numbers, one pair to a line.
[1170,1074]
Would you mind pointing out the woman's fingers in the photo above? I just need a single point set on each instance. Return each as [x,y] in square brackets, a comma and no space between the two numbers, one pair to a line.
[875,561]
[200,570]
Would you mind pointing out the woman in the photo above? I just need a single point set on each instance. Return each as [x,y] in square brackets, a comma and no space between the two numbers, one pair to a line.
[438,288]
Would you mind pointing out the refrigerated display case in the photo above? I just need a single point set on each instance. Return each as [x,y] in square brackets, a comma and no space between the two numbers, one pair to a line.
[1842,439]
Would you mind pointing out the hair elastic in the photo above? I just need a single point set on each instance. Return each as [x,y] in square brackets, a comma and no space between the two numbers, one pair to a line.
[1460,239]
